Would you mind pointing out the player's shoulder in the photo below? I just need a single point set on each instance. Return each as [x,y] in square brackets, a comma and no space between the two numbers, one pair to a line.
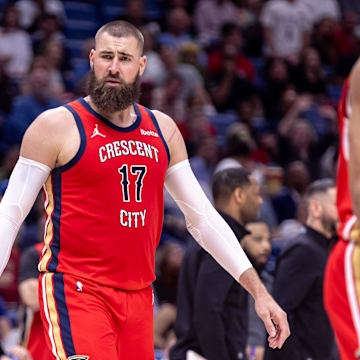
[53,120]
[166,123]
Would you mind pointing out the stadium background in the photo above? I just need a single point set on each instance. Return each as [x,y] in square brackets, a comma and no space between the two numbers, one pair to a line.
[251,81]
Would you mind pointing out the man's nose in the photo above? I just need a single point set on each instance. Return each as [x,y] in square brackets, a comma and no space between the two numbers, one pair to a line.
[114,66]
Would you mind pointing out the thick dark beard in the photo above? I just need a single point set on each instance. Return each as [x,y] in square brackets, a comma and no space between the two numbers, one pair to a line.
[109,99]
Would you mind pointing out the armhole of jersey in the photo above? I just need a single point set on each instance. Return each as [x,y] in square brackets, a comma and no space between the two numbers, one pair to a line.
[156,124]
[82,146]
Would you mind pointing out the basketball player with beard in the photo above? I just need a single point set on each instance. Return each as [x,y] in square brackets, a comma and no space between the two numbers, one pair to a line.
[298,285]
[103,161]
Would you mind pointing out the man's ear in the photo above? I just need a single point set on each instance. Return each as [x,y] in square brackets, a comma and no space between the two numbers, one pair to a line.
[239,195]
[143,61]
[91,58]
[316,209]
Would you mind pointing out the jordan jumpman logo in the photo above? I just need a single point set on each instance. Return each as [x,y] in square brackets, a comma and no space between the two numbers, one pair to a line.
[97,132]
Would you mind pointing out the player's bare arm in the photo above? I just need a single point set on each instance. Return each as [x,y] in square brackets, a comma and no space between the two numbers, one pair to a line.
[44,146]
[52,139]
[354,143]
[212,233]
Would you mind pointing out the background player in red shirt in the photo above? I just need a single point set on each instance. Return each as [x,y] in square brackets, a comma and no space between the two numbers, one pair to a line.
[342,277]
[104,160]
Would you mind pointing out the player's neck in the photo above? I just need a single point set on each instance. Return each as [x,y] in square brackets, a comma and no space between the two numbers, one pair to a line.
[122,118]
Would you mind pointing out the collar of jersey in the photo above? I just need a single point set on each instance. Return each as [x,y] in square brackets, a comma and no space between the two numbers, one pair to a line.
[132,127]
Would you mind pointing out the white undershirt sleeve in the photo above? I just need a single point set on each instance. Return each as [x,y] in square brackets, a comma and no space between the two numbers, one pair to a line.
[203,222]
[24,185]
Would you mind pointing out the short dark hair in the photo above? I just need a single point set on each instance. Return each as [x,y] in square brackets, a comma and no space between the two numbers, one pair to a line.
[120,28]
[320,187]
[226,181]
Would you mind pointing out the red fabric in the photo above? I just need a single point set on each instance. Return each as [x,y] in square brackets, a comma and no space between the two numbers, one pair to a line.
[244,66]
[345,44]
[9,291]
[36,342]
[337,303]
[105,322]
[105,226]
[344,202]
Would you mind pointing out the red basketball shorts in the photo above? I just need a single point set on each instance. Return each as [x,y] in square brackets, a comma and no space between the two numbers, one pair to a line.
[342,296]
[84,320]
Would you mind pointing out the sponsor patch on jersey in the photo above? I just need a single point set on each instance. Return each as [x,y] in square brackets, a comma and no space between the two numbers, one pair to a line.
[149,133]
[78,357]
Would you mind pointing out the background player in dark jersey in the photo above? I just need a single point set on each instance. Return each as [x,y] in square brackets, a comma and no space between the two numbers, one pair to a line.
[104,160]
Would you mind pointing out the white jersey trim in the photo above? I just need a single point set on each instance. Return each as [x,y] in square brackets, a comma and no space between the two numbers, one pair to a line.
[50,333]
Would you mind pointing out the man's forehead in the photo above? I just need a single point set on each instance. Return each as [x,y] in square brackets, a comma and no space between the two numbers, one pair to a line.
[257,227]
[108,42]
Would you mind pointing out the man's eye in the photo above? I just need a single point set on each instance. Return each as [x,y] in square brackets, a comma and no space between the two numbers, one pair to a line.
[106,57]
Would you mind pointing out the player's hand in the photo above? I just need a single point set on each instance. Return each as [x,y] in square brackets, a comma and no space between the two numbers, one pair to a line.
[275,320]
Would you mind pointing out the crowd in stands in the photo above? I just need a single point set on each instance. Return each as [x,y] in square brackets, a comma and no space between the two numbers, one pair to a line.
[250,83]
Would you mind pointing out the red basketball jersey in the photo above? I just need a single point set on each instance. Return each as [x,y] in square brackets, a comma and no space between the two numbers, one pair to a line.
[344,203]
[105,207]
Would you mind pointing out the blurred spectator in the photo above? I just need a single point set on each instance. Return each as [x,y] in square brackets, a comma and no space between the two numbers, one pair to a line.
[323,41]
[135,12]
[231,43]
[350,5]
[230,73]
[199,100]
[212,316]
[168,100]
[296,136]
[287,26]
[203,162]
[155,69]
[277,79]
[8,90]
[54,55]
[309,77]
[168,261]
[33,336]
[164,320]
[189,74]
[32,10]
[253,30]
[27,107]
[82,66]
[239,146]
[346,44]
[210,16]
[257,246]
[9,161]
[15,44]
[48,30]
[298,285]
[323,9]
[287,202]
[195,128]
[5,325]
[177,27]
